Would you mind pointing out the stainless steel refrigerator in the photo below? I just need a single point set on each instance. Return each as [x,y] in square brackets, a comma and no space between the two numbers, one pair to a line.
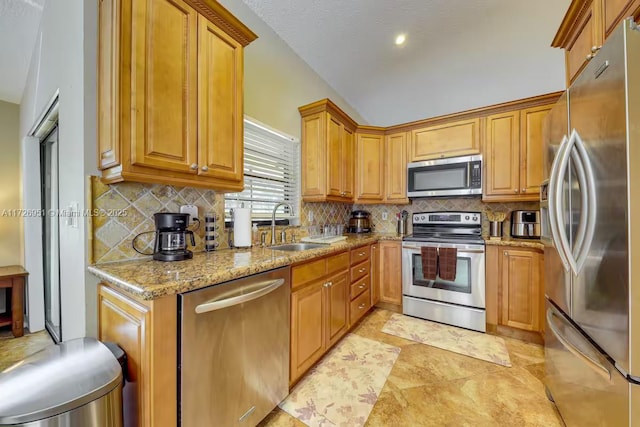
[590,205]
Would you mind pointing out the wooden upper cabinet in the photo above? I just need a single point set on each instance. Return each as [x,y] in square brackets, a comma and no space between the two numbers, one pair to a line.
[513,169]
[452,139]
[586,26]
[328,153]
[170,102]
[370,167]
[314,154]
[164,102]
[502,155]
[220,76]
[395,159]
[531,149]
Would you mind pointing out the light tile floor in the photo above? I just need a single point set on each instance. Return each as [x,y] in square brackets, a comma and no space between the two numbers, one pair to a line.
[13,350]
[432,387]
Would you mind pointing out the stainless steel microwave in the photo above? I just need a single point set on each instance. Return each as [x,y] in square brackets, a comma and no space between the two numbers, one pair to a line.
[455,176]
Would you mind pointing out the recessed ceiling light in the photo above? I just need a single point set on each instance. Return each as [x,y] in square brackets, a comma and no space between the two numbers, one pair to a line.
[400,39]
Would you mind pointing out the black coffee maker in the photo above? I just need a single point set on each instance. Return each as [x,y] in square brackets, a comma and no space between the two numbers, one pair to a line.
[171,237]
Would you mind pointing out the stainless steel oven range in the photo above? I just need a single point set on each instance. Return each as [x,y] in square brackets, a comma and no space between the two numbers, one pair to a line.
[459,300]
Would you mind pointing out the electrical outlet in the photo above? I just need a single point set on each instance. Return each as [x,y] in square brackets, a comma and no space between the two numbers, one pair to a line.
[310,217]
[385,216]
[192,210]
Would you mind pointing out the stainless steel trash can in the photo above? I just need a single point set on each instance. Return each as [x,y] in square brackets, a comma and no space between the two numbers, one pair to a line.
[77,383]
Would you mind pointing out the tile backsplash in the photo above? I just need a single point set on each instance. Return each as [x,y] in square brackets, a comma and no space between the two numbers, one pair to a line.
[444,204]
[112,235]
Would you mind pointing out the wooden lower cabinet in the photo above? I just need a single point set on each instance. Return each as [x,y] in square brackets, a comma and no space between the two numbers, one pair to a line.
[337,300]
[307,328]
[319,310]
[146,331]
[390,267]
[514,288]
[375,274]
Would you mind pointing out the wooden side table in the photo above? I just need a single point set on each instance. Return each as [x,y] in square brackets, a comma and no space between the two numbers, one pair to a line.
[14,277]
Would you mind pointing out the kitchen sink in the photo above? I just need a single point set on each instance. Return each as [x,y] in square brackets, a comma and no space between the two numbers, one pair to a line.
[297,246]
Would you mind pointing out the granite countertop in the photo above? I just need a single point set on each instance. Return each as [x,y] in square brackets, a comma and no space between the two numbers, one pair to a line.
[511,241]
[148,279]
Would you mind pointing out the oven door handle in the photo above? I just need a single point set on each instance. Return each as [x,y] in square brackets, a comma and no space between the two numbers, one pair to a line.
[460,250]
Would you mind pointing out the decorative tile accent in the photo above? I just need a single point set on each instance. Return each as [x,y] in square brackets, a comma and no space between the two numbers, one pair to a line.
[112,235]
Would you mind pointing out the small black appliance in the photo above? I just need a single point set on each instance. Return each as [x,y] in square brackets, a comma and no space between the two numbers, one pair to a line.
[171,237]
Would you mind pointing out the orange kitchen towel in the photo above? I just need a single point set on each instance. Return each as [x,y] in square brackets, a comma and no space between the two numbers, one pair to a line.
[448,262]
[429,262]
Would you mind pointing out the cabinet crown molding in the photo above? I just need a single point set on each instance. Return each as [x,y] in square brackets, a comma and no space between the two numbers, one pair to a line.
[577,10]
[223,19]
[328,106]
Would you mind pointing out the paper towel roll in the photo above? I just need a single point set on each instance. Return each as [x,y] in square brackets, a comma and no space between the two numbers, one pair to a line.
[242,227]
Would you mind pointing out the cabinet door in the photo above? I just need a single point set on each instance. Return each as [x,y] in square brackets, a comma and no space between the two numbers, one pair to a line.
[126,323]
[447,140]
[390,272]
[616,10]
[370,167]
[502,155]
[375,274]
[587,36]
[164,85]
[531,148]
[313,148]
[307,328]
[348,163]
[520,288]
[337,300]
[395,159]
[220,124]
[335,161]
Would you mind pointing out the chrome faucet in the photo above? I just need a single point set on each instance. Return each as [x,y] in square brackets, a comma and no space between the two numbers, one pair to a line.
[273,220]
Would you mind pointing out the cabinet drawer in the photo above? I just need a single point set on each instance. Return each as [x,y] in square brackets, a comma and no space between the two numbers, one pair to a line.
[359,306]
[305,273]
[360,254]
[360,270]
[338,262]
[360,286]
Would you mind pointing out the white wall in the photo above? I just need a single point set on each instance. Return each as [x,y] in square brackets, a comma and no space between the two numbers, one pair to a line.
[58,63]
[11,240]
[276,80]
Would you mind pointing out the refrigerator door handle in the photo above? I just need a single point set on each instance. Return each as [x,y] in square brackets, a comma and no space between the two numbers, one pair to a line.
[593,364]
[584,211]
[582,250]
[563,164]
[554,202]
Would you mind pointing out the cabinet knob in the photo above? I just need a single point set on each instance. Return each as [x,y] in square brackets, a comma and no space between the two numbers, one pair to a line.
[524,190]
[194,166]
[506,253]
[590,56]
[361,286]
[326,285]
[362,254]
[362,306]
[205,168]
[516,191]
[594,49]
[329,284]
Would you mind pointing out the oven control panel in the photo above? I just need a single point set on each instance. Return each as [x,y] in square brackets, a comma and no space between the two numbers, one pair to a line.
[449,218]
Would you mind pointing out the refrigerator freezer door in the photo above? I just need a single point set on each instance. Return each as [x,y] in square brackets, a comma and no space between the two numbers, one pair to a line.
[557,278]
[586,388]
[600,292]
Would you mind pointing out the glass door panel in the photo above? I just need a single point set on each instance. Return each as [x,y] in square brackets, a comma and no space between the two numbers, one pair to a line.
[51,233]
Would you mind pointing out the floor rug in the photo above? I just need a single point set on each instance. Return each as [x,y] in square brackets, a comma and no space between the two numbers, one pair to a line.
[474,344]
[342,389]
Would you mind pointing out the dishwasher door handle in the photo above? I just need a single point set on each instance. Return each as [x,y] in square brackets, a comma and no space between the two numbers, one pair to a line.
[266,287]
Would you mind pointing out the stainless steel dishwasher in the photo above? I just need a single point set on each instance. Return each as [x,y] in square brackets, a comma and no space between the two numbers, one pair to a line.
[234,350]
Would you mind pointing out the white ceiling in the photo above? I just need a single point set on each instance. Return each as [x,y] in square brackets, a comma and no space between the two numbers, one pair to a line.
[459,54]
[19,23]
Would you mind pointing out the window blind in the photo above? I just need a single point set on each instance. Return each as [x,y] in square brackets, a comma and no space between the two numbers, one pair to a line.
[271,172]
